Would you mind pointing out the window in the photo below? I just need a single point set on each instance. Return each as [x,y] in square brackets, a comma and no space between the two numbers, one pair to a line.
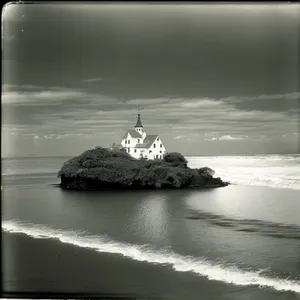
[156,155]
[159,151]
[138,141]
[161,156]
[128,150]
[125,141]
[150,151]
[160,145]
[157,139]
[154,146]
[134,150]
[128,142]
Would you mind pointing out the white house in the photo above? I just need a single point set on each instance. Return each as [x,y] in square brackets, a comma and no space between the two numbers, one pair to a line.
[139,144]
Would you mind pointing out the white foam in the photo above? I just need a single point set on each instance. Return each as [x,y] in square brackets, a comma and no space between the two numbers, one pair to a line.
[270,171]
[180,263]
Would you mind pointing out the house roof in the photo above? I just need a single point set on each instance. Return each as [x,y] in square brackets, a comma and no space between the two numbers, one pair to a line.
[133,133]
[149,139]
[139,122]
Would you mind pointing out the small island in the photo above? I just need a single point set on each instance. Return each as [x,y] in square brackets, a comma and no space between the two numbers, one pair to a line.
[106,169]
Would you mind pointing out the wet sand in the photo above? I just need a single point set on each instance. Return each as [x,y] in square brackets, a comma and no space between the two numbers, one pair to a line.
[48,268]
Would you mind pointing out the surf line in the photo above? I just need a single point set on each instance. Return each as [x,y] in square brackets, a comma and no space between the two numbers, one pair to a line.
[178,262]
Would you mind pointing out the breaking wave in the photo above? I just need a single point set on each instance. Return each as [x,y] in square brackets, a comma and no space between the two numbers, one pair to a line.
[197,265]
[272,171]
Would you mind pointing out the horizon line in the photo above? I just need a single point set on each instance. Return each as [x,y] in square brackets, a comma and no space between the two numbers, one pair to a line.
[188,155]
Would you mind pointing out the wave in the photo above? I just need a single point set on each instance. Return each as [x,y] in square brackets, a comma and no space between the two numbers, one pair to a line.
[252,157]
[272,229]
[180,263]
[272,180]
[272,171]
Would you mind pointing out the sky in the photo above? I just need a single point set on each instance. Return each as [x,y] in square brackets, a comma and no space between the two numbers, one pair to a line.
[209,79]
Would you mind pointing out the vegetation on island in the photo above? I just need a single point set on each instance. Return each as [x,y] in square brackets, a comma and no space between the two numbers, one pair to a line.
[101,168]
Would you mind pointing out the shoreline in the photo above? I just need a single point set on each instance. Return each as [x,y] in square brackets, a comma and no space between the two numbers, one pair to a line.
[47,266]
[204,187]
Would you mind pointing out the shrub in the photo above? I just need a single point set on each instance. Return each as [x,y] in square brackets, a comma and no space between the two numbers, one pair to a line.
[175,158]
[103,168]
[206,171]
[153,163]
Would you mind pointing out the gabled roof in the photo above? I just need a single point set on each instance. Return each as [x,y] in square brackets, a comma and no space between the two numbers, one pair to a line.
[133,133]
[150,139]
[125,135]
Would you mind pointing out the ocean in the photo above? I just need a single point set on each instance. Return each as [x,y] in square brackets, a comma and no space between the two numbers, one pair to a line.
[237,242]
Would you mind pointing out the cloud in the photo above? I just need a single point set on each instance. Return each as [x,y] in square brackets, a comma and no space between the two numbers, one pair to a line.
[227,138]
[196,103]
[40,97]
[63,136]
[28,87]
[15,127]
[288,96]
[148,102]
[53,96]
[105,122]
[78,113]
[92,80]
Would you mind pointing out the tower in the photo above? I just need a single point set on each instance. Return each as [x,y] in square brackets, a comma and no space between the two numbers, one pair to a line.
[139,126]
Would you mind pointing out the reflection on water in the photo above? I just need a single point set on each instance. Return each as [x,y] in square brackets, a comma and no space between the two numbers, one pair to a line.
[267,204]
[228,224]
[246,227]
[150,219]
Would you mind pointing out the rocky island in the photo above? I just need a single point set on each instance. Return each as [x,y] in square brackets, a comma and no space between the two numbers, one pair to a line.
[102,169]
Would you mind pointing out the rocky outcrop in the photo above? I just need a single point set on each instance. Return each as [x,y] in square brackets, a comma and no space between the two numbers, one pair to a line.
[100,169]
